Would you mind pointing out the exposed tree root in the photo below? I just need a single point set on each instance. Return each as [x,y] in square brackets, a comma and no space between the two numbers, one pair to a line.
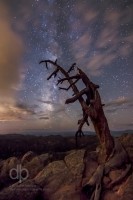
[118,159]
[120,178]
[95,183]
[112,154]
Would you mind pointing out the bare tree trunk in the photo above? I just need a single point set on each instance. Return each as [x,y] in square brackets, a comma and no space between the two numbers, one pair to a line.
[111,153]
[95,111]
[102,130]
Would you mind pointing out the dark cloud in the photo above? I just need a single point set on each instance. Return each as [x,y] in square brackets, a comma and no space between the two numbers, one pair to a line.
[44,118]
[41,113]
[126,126]
[111,110]
[129,125]
[120,102]
[97,35]
[59,110]
[15,112]
[28,109]
[48,102]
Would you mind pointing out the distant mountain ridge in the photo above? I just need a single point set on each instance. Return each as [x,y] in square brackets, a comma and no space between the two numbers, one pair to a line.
[65,133]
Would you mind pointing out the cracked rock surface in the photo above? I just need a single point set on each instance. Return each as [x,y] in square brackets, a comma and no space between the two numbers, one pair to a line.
[61,177]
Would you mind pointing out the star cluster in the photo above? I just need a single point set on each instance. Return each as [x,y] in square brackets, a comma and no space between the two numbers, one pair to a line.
[96,34]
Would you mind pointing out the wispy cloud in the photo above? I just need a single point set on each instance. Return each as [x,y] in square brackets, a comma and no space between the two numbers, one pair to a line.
[15,112]
[44,118]
[107,42]
[48,102]
[11,49]
[118,104]
[120,101]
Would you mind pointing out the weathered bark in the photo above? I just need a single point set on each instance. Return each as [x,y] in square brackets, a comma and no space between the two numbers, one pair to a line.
[111,153]
[102,130]
[94,107]
[97,116]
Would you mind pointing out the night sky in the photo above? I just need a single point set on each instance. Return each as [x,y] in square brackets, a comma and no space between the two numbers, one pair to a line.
[96,34]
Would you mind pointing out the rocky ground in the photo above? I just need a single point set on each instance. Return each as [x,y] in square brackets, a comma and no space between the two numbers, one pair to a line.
[59,175]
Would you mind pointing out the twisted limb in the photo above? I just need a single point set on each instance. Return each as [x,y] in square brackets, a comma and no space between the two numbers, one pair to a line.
[81,123]
[112,155]
[77,93]
[117,160]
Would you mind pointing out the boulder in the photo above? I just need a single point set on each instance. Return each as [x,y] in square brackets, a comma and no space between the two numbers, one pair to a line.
[37,164]
[5,167]
[25,191]
[27,157]
[74,162]
[52,169]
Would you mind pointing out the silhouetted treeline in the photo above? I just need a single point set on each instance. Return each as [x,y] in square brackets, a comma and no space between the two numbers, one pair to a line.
[18,145]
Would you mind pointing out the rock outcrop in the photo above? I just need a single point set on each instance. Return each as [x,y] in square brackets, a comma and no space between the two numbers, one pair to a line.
[60,176]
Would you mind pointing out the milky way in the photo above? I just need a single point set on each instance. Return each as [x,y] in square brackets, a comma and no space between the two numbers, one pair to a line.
[96,34]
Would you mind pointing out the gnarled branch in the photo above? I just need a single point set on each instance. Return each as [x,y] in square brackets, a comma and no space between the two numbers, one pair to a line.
[75,89]
[71,68]
[43,61]
[93,107]
[68,78]
[81,123]
[111,155]
[69,86]
[53,74]
[77,96]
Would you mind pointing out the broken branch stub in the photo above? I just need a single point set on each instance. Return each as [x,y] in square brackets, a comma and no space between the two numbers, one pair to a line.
[69,79]
[77,96]
[92,107]
[111,153]
[71,68]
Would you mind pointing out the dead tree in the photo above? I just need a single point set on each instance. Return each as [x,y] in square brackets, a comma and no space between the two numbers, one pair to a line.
[111,153]
[72,86]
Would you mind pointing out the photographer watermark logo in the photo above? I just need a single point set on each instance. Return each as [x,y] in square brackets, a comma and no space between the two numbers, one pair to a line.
[19,173]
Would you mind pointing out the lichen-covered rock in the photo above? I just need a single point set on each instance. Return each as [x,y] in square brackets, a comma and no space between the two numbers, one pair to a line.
[60,176]
[127,140]
[110,195]
[8,164]
[37,164]
[74,162]
[67,192]
[5,167]
[25,191]
[61,179]
[28,157]
[53,177]
[54,168]
[127,189]
[90,166]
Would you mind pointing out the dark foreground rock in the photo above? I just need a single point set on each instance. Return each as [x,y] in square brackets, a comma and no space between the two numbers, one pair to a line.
[60,176]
